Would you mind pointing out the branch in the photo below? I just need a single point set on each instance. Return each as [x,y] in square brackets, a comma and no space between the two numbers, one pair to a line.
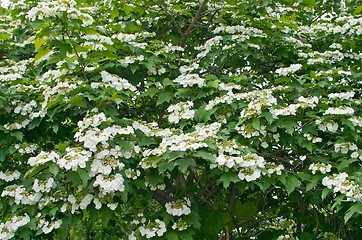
[76,52]
[168,14]
[198,14]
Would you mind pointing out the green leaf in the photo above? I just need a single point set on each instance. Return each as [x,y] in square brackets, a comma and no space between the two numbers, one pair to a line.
[184,163]
[150,92]
[171,235]
[202,115]
[357,10]
[83,176]
[356,208]
[73,177]
[291,183]
[228,177]
[18,135]
[205,155]
[163,97]
[313,182]
[325,192]
[256,123]
[167,82]
[165,166]
[106,215]
[34,170]
[53,168]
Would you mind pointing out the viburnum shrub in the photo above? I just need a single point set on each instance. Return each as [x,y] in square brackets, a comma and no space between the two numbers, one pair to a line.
[138,119]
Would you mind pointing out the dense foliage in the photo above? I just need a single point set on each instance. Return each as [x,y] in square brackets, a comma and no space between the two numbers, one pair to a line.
[137,119]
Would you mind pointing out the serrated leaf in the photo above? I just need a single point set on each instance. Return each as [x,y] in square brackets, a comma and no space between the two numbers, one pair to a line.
[171,235]
[313,182]
[325,192]
[83,176]
[163,97]
[255,123]
[356,208]
[33,171]
[205,155]
[228,177]
[150,92]
[184,163]
[291,183]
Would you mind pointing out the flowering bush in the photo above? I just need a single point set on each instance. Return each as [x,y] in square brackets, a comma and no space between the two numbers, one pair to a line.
[142,119]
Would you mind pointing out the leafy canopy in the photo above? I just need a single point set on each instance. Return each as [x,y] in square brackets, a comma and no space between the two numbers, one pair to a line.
[137,119]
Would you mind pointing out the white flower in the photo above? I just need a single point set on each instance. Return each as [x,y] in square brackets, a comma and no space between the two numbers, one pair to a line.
[43,157]
[75,157]
[189,80]
[9,176]
[179,207]
[249,174]
[339,110]
[109,184]
[291,69]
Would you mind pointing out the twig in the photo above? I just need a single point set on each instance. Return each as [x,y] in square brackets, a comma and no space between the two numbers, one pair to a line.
[76,52]
[198,14]
[172,19]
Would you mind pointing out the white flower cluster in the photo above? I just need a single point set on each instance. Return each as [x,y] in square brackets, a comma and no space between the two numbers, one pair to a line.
[356,121]
[184,142]
[9,228]
[92,137]
[132,174]
[21,195]
[189,68]
[151,129]
[180,225]
[75,157]
[336,46]
[57,8]
[172,48]
[107,160]
[152,229]
[111,80]
[109,183]
[43,157]
[80,201]
[179,207]
[180,111]
[47,227]
[43,185]
[273,168]
[26,147]
[248,131]
[309,100]
[25,109]
[288,110]
[265,96]
[99,38]
[322,167]
[9,176]
[228,86]
[312,138]
[345,147]
[342,95]
[249,161]
[287,236]
[93,121]
[291,69]
[340,183]
[133,38]
[322,57]
[330,125]
[207,46]
[188,80]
